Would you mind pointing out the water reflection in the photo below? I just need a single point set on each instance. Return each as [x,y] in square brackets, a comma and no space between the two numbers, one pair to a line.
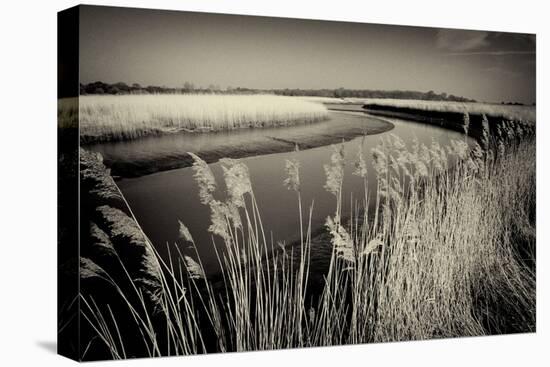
[160,199]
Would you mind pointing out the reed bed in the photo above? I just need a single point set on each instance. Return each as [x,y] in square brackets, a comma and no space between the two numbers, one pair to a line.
[126,117]
[443,248]
[507,112]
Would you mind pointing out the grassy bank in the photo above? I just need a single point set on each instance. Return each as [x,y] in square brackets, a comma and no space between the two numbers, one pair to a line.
[497,111]
[446,249]
[165,152]
[106,118]
[451,115]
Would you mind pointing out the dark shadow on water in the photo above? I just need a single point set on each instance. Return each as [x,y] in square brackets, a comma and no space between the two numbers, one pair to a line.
[48,345]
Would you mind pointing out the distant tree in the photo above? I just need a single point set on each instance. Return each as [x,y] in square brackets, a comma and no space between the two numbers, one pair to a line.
[188,86]
[99,87]
[339,93]
[113,90]
[121,87]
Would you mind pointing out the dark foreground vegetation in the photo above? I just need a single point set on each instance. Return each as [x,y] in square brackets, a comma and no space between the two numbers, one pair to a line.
[112,244]
[453,119]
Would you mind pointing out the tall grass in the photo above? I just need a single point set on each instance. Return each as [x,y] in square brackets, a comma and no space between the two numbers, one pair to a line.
[134,116]
[443,248]
[507,112]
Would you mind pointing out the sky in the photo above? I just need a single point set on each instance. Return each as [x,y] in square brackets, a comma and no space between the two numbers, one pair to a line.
[168,48]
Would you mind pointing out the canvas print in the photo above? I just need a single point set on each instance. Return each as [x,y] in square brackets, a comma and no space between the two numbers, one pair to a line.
[239,183]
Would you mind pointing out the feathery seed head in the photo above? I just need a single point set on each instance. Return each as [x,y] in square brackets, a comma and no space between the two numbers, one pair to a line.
[218,218]
[397,142]
[372,246]
[380,161]
[204,178]
[335,170]
[341,240]
[237,180]
[292,169]
[184,232]
[459,148]
[360,163]
[194,269]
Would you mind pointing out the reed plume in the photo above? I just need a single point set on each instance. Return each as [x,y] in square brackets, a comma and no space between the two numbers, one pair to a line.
[335,170]
[204,178]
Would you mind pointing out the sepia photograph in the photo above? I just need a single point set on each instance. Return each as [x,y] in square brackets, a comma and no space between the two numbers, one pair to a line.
[234,183]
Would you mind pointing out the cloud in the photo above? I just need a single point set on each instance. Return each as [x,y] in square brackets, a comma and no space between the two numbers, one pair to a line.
[502,71]
[491,53]
[461,40]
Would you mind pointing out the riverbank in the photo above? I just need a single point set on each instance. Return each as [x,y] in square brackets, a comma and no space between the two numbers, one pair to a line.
[453,118]
[162,153]
[176,192]
[438,258]
[129,117]
[442,261]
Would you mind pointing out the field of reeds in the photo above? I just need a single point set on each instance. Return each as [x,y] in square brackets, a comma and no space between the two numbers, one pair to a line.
[106,118]
[507,112]
[445,247]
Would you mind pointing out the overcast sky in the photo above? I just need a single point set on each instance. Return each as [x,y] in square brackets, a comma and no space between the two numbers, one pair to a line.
[168,48]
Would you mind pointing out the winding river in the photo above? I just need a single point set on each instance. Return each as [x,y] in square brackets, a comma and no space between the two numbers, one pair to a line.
[160,199]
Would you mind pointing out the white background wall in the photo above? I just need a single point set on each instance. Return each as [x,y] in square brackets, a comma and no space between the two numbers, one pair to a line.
[28,180]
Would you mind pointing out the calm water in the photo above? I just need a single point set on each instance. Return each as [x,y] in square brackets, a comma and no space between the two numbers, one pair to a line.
[165,152]
[159,200]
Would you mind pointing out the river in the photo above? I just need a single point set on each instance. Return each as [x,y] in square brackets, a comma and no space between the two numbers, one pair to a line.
[160,199]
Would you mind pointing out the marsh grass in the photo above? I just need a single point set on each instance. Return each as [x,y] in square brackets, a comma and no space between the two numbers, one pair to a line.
[507,112]
[125,117]
[445,249]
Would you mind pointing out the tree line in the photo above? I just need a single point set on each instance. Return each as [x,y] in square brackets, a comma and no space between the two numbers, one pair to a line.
[187,87]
